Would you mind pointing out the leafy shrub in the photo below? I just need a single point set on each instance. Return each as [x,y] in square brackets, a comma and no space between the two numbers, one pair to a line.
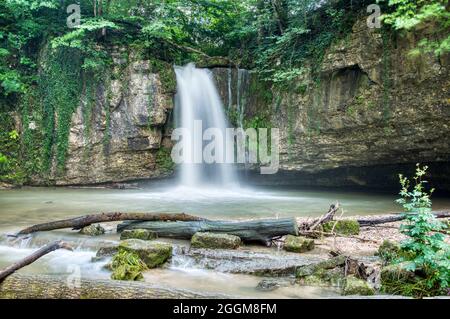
[426,251]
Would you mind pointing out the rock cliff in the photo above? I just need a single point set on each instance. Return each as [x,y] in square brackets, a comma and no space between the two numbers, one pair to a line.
[371,111]
[126,137]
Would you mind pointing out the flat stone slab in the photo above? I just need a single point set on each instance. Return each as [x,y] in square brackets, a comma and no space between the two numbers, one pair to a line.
[274,263]
[215,240]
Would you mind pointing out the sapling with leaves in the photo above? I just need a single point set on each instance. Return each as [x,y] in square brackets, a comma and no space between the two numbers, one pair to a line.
[425,248]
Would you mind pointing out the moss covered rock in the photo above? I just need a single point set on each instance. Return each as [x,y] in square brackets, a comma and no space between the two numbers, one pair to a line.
[389,250]
[298,244]
[143,234]
[214,240]
[325,277]
[152,253]
[93,230]
[396,273]
[127,265]
[327,264]
[356,286]
[343,227]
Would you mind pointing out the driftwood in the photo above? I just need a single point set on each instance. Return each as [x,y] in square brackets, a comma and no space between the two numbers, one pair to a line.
[80,222]
[325,218]
[33,257]
[259,230]
[395,218]
[20,286]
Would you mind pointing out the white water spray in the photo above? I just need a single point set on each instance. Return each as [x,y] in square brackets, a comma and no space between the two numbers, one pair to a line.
[197,99]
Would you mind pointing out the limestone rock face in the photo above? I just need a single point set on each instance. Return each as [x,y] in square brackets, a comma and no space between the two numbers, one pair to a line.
[372,111]
[118,137]
[152,253]
[298,244]
[213,240]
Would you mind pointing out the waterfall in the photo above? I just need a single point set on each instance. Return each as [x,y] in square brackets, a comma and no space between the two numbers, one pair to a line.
[197,99]
[242,82]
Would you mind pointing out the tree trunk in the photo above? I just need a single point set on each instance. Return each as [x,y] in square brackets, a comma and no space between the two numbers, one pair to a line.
[19,286]
[395,218]
[80,222]
[33,257]
[260,230]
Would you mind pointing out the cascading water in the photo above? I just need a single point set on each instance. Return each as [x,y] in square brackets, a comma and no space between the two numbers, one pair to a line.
[197,99]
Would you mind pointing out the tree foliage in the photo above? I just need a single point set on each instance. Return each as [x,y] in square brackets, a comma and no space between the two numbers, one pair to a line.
[411,14]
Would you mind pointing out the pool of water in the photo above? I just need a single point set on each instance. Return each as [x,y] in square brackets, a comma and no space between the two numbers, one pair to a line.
[27,206]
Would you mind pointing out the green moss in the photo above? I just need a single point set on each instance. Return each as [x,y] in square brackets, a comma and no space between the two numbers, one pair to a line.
[127,265]
[153,254]
[355,286]
[60,94]
[107,134]
[343,227]
[164,160]
[389,250]
[331,263]
[398,280]
[143,234]
[333,277]
[11,170]
[215,241]
[298,244]
[166,75]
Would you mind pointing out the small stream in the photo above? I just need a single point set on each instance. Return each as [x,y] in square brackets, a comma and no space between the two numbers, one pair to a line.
[23,207]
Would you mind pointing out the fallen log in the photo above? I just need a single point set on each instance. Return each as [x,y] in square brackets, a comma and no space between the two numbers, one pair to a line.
[82,221]
[395,218]
[20,286]
[33,257]
[258,230]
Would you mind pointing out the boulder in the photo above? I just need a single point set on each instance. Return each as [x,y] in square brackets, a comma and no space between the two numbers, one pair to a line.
[215,241]
[389,250]
[355,286]
[298,244]
[152,253]
[127,265]
[143,234]
[343,227]
[93,230]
